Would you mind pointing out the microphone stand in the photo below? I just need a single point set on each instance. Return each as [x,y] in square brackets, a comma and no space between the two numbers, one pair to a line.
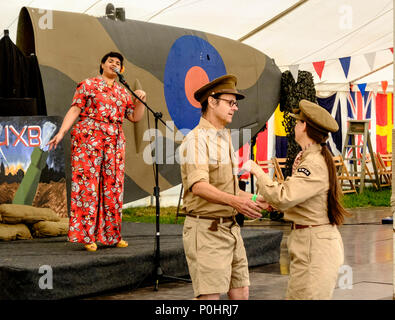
[158,117]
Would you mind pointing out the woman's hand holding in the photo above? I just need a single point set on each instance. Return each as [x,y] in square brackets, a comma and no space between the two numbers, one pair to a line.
[260,201]
[253,167]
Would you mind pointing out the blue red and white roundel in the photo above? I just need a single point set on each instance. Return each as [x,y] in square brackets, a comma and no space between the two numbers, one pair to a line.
[192,62]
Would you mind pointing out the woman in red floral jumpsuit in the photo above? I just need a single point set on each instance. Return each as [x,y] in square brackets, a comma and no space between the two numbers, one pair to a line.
[97,155]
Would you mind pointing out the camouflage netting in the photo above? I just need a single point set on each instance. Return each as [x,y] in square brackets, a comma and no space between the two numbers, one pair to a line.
[291,94]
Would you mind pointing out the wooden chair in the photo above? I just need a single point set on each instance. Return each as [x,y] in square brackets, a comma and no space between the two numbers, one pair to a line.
[384,171]
[279,164]
[369,173]
[343,175]
[387,160]
[266,165]
[269,166]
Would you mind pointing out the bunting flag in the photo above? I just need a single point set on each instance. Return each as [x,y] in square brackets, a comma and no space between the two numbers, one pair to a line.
[294,69]
[384,122]
[319,67]
[370,58]
[280,135]
[362,87]
[384,85]
[359,108]
[345,62]
[332,105]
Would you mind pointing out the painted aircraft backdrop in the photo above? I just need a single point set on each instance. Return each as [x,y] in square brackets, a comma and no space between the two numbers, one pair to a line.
[168,63]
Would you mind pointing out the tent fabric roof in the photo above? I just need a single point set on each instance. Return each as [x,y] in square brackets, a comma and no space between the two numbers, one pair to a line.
[292,32]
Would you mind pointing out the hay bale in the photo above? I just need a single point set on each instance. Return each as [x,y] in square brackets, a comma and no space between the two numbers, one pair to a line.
[14,231]
[51,228]
[19,213]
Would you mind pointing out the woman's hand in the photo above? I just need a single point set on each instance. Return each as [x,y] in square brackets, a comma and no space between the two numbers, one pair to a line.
[141,94]
[68,121]
[53,143]
[251,166]
[139,109]
[260,201]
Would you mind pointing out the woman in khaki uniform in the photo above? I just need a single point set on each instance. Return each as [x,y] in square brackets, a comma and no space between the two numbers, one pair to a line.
[310,199]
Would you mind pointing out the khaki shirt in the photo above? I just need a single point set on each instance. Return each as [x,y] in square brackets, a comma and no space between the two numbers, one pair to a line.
[303,197]
[206,154]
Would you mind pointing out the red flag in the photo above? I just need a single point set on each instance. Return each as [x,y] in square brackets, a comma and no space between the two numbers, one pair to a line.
[392,50]
[260,151]
[261,143]
[244,156]
[319,67]
[384,122]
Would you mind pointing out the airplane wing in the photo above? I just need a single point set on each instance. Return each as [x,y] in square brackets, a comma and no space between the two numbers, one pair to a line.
[169,63]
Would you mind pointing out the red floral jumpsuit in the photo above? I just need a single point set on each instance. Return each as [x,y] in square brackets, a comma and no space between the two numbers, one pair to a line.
[97,162]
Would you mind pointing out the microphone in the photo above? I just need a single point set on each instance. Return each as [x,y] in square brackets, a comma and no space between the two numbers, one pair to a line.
[117,71]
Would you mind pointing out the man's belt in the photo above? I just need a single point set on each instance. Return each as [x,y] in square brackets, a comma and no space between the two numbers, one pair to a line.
[216,220]
[300,226]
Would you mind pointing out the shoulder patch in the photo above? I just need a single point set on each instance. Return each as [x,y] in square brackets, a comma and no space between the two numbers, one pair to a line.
[304,170]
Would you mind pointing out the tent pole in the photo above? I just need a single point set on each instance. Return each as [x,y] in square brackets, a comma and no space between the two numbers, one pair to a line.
[272,20]
[378,69]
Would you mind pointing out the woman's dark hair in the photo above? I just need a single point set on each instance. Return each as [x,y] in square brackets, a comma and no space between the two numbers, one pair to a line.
[336,212]
[112,55]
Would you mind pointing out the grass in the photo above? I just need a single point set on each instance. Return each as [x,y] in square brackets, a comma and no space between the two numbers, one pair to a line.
[369,198]
[167,215]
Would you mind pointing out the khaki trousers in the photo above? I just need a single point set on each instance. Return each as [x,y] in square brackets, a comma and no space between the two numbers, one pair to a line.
[316,254]
[217,260]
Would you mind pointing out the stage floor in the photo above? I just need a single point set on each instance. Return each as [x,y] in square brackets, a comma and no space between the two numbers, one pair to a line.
[368,248]
[26,266]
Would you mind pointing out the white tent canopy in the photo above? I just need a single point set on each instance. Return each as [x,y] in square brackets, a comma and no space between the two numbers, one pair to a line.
[291,32]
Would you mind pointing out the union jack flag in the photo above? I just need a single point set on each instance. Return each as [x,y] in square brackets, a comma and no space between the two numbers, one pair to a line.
[359,108]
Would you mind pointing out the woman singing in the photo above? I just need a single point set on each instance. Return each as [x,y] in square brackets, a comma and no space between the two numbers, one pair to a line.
[98,154]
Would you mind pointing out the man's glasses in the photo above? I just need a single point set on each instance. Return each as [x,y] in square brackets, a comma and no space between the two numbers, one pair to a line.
[232,103]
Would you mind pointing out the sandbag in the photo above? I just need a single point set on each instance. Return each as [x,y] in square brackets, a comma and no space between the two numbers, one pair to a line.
[19,213]
[14,231]
[50,228]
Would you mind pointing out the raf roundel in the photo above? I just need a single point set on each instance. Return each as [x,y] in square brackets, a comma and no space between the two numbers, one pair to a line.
[192,62]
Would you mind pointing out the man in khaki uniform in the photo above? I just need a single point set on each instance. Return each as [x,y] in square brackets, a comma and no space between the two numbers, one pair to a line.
[213,245]
[314,245]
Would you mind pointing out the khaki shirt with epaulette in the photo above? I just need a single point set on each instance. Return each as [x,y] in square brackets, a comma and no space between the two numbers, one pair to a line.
[206,154]
[303,197]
